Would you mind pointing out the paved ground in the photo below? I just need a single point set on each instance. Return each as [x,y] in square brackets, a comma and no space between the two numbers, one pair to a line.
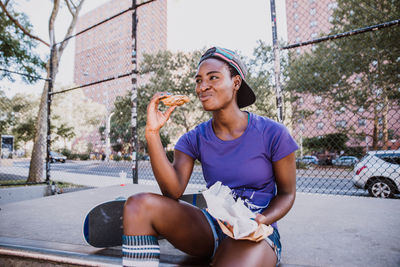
[320,230]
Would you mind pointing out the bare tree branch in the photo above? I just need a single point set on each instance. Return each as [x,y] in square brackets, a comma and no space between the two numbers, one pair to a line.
[52,19]
[15,21]
[70,28]
[69,7]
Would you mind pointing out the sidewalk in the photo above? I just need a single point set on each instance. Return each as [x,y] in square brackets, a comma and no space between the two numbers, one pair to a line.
[320,230]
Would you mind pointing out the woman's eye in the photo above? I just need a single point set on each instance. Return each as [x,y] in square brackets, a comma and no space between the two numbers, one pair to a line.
[197,81]
[213,77]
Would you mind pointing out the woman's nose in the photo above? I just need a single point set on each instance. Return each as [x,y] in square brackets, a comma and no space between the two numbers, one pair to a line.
[203,85]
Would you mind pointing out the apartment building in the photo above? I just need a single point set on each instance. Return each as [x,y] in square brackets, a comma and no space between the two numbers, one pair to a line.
[104,52]
[308,20]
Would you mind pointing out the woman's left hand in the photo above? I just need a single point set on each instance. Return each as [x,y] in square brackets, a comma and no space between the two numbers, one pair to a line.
[260,218]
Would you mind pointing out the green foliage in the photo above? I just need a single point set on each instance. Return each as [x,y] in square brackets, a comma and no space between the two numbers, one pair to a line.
[335,142]
[359,71]
[173,73]
[260,75]
[17,117]
[16,48]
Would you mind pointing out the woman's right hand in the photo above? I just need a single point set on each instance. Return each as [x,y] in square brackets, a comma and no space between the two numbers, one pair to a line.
[155,118]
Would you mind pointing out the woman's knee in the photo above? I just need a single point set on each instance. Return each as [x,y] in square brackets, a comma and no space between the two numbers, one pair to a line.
[140,204]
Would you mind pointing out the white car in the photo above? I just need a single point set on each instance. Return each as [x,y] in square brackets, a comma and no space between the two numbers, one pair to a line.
[379,173]
[57,157]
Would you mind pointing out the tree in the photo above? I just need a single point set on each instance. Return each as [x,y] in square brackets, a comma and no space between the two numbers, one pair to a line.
[356,72]
[260,77]
[174,73]
[335,142]
[16,45]
[55,52]
[74,115]
[65,132]
[17,117]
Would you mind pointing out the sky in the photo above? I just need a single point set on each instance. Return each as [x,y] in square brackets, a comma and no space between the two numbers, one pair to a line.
[192,24]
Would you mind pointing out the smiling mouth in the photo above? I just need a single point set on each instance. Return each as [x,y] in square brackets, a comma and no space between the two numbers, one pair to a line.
[204,97]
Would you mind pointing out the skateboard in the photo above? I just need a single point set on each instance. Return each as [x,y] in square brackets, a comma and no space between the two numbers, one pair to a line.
[103,224]
[103,228]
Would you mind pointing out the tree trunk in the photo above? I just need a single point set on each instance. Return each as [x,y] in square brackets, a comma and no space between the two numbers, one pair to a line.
[36,164]
[38,151]
[385,130]
[375,133]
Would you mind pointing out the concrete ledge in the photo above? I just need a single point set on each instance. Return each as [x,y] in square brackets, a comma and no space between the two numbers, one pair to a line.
[20,193]
[14,251]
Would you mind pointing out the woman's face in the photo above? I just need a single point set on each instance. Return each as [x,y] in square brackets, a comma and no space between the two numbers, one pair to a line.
[215,87]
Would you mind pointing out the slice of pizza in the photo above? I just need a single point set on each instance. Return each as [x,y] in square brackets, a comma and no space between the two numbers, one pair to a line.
[175,100]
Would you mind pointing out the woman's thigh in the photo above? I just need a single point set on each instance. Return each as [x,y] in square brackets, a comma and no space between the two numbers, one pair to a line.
[244,253]
[182,224]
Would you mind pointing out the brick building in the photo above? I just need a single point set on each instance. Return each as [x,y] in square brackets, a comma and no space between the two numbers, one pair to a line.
[307,20]
[105,51]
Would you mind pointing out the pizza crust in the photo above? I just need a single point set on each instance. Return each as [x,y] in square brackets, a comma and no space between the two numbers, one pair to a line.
[175,100]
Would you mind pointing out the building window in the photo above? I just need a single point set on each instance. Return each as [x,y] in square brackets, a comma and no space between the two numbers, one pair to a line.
[314,35]
[332,5]
[298,51]
[313,11]
[295,16]
[341,124]
[318,99]
[362,122]
[296,28]
[318,112]
[313,23]
[330,19]
[361,110]
[320,125]
[340,110]
[295,4]
[298,39]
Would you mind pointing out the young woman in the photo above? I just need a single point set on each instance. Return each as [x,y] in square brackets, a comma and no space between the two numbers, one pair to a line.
[253,155]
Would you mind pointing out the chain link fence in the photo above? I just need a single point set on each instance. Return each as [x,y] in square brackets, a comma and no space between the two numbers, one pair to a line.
[335,85]
[342,85]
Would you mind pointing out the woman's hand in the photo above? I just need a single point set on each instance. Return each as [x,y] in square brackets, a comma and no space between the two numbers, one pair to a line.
[155,118]
[260,218]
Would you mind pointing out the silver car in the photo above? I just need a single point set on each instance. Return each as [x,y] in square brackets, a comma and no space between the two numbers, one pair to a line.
[345,161]
[379,173]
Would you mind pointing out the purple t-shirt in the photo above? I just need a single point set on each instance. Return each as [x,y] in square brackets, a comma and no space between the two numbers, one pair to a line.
[243,164]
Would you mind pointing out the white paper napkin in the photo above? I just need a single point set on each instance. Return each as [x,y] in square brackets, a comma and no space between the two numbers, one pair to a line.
[222,205]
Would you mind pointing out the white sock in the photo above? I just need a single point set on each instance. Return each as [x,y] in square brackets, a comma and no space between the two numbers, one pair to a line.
[142,250]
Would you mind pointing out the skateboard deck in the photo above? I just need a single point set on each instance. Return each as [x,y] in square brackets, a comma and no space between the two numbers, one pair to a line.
[103,224]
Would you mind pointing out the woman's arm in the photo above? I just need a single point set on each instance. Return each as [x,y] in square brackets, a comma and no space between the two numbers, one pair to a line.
[171,177]
[285,175]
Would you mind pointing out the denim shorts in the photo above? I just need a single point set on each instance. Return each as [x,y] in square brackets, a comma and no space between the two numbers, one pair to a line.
[273,240]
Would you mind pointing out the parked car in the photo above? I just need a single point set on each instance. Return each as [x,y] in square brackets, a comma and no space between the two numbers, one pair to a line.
[379,173]
[57,157]
[309,159]
[345,161]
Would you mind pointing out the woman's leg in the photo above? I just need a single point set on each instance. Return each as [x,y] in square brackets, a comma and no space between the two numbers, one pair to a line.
[182,224]
[244,253]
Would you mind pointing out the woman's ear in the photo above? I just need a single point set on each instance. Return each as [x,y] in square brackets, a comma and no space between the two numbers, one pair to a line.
[237,81]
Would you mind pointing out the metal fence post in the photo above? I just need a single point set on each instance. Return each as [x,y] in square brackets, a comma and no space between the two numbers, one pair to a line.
[277,65]
[49,94]
[134,95]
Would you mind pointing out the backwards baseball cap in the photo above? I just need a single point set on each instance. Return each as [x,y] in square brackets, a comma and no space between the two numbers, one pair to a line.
[245,95]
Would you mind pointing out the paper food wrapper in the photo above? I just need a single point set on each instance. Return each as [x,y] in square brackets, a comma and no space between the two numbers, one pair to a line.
[241,224]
